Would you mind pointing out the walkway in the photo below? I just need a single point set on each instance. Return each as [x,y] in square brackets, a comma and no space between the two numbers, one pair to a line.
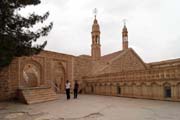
[92,107]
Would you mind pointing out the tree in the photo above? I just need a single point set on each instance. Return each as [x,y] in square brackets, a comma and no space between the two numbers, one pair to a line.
[16,38]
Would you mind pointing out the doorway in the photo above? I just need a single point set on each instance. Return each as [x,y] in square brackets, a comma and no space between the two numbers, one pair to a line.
[118,90]
[167,92]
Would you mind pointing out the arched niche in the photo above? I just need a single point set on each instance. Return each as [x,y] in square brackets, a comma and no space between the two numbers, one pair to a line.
[178,90]
[58,77]
[144,91]
[155,90]
[31,74]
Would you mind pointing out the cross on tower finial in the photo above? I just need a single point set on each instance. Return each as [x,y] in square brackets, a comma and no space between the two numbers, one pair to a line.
[95,12]
[124,21]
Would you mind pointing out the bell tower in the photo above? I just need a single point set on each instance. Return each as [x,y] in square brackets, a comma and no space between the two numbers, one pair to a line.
[95,34]
[124,37]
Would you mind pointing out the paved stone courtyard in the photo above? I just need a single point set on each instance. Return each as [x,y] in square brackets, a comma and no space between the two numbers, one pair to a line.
[92,107]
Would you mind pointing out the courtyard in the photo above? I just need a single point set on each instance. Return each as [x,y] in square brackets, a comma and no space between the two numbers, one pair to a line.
[92,107]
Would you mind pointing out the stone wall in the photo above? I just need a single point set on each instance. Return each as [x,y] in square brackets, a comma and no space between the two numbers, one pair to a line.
[81,67]
[149,84]
[129,60]
[126,75]
[9,81]
[4,84]
[13,77]
[43,69]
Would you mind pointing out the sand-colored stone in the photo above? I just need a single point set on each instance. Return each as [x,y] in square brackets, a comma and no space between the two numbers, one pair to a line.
[94,107]
[122,73]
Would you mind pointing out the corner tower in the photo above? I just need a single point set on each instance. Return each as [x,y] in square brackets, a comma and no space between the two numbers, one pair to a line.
[124,37]
[95,46]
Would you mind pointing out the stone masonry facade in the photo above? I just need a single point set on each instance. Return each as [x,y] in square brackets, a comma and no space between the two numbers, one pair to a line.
[158,83]
[122,73]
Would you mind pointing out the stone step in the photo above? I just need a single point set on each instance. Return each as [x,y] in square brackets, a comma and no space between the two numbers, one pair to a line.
[40,100]
[37,95]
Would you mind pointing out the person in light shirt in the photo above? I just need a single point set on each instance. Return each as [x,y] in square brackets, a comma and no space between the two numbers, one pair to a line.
[68,86]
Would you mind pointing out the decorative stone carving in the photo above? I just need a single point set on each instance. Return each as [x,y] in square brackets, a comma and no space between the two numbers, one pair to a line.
[31,74]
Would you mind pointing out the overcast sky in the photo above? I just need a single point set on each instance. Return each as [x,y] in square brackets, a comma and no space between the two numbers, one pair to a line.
[153,26]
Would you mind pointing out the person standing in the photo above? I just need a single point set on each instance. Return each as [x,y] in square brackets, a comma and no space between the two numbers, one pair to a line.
[76,86]
[68,85]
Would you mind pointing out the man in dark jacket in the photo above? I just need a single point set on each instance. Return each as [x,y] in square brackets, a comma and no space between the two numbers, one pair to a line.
[76,87]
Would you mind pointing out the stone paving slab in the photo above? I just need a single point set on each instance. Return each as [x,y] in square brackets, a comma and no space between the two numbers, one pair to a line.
[92,107]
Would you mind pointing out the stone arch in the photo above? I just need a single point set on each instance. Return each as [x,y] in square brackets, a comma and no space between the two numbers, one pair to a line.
[107,88]
[92,88]
[125,89]
[88,89]
[130,90]
[167,90]
[178,90]
[111,88]
[154,90]
[149,90]
[103,89]
[143,89]
[138,89]
[134,89]
[95,88]
[118,90]
[31,74]
[58,77]
[100,88]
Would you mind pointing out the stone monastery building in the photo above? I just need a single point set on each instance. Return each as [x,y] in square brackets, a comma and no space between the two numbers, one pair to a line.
[122,73]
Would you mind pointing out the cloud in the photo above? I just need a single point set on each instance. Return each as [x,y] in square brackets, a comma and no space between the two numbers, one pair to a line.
[153,26]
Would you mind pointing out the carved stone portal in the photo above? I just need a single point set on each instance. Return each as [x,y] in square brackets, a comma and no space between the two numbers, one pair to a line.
[31,75]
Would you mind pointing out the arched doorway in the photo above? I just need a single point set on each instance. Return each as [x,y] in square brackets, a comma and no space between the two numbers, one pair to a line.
[31,75]
[118,90]
[167,90]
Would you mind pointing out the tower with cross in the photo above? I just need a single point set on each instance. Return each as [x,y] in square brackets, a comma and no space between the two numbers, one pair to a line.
[124,36]
[95,34]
